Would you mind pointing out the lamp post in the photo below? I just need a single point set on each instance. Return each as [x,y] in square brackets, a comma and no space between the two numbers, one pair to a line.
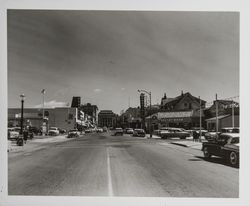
[22,102]
[150,108]
[43,125]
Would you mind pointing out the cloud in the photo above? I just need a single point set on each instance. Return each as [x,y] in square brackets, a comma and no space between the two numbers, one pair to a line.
[97,90]
[52,104]
[122,88]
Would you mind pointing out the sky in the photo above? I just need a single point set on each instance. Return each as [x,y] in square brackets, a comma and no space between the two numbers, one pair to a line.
[106,56]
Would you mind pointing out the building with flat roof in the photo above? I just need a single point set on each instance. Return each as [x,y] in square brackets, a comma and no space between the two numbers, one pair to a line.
[107,118]
[90,111]
[62,117]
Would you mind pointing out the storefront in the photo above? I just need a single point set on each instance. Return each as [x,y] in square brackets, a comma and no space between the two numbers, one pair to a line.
[180,119]
[62,117]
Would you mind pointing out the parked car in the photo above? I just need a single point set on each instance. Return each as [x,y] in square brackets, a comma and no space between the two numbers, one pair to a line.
[139,133]
[99,130]
[170,132]
[211,136]
[12,134]
[203,131]
[129,130]
[157,132]
[117,131]
[88,131]
[230,130]
[105,129]
[62,131]
[73,133]
[53,131]
[226,145]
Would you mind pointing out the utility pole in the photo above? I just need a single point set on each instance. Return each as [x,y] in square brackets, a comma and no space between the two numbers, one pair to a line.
[43,92]
[216,108]
[22,102]
[150,117]
[232,113]
[200,119]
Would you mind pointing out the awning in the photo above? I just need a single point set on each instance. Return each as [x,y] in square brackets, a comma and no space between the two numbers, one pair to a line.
[166,115]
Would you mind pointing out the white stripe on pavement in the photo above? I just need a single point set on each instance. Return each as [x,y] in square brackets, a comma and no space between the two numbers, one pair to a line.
[110,187]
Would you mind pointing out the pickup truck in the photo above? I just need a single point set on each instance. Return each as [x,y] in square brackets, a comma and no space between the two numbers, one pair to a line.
[226,145]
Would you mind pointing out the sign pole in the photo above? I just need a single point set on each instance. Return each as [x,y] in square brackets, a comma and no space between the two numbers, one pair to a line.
[232,114]
[200,119]
[216,105]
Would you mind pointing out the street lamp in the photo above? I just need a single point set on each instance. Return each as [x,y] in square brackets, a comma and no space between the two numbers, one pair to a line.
[150,108]
[43,132]
[22,97]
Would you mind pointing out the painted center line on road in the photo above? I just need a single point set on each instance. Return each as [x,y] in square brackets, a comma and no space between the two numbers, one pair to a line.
[110,186]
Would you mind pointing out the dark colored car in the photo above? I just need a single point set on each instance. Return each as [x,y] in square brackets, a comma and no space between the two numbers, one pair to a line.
[73,133]
[62,131]
[211,136]
[226,145]
[139,133]
[117,131]
[230,130]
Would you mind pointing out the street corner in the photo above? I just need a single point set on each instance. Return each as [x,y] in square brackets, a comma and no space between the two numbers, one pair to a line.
[189,144]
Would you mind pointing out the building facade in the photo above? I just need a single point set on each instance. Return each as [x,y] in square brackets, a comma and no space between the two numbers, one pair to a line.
[223,121]
[76,102]
[182,111]
[62,117]
[90,111]
[224,107]
[107,118]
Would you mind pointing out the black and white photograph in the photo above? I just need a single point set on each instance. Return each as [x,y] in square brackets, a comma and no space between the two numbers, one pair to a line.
[123,103]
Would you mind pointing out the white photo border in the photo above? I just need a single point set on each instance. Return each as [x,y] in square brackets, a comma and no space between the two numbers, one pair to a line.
[240,6]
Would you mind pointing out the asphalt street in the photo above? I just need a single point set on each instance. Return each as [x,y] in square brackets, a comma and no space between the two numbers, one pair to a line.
[104,165]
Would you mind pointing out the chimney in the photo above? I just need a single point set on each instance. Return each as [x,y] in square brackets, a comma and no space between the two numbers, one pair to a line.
[181,92]
[165,96]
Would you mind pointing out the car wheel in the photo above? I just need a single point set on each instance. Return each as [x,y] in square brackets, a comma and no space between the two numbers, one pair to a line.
[206,153]
[233,158]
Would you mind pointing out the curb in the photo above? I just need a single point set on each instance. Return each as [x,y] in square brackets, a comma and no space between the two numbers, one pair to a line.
[179,144]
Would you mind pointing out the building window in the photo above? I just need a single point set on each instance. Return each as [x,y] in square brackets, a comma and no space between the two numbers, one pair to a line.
[190,105]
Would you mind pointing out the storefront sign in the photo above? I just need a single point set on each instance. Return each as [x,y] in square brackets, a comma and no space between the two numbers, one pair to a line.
[165,120]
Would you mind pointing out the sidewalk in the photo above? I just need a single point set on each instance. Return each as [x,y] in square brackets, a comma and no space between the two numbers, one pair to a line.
[36,143]
[190,144]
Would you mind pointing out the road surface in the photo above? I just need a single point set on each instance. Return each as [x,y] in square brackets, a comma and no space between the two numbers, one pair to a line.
[104,165]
